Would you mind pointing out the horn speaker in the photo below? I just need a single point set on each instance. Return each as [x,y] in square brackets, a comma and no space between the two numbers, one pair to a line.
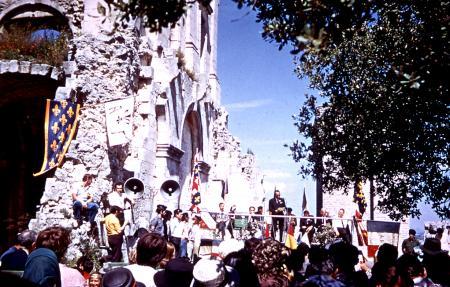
[134,185]
[170,186]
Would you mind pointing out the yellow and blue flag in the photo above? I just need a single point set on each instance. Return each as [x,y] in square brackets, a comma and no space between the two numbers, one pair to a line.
[61,118]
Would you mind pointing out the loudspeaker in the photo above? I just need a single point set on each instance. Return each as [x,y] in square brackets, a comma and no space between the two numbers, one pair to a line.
[170,186]
[133,184]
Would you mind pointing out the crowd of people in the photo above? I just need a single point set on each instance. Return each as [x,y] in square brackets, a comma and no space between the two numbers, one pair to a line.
[171,251]
[253,262]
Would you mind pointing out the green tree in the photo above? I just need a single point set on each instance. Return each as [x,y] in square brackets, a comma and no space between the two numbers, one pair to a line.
[383,114]
[381,69]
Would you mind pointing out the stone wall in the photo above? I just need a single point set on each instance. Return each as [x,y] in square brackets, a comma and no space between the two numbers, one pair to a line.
[171,79]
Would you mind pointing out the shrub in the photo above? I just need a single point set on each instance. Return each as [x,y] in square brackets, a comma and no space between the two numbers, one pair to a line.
[20,43]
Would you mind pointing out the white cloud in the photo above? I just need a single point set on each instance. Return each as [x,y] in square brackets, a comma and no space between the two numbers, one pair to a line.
[240,106]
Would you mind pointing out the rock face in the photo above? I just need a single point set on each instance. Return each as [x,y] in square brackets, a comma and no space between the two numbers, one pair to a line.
[150,103]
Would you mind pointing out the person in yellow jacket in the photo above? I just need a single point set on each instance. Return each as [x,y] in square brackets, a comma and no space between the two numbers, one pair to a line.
[114,232]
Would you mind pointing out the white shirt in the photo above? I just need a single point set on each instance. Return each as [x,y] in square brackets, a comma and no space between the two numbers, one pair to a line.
[176,228]
[118,199]
[143,274]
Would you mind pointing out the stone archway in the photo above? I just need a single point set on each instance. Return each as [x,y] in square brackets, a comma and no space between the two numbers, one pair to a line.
[191,141]
[22,102]
[24,87]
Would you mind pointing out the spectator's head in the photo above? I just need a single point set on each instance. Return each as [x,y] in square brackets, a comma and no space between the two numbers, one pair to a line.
[151,249]
[412,233]
[269,258]
[87,179]
[209,273]
[178,272]
[320,261]
[85,264]
[341,212]
[432,246]
[221,206]
[251,210]
[297,257]
[306,212]
[55,238]
[260,209]
[26,238]
[118,277]
[228,246]
[170,254]
[167,215]
[387,254]
[344,256]
[118,186]
[95,280]
[250,244]
[177,213]
[160,209]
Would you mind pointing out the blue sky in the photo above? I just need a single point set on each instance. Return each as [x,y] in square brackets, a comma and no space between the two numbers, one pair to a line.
[261,93]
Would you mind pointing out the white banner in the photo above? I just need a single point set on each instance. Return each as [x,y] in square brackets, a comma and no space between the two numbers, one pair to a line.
[119,121]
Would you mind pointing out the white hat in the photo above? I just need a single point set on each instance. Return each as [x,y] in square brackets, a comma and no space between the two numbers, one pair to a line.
[209,272]
[229,245]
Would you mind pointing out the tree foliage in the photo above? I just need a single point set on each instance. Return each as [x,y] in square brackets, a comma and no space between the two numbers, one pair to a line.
[155,14]
[381,68]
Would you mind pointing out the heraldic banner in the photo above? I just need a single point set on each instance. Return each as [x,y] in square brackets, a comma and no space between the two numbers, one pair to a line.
[61,118]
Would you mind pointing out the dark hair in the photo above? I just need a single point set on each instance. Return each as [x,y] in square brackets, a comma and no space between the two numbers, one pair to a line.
[115,209]
[289,209]
[151,249]
[160,208]
[250,244]
[167,214]
[140,232]
[387,254]
[412,232]
[86,263]
[87,177]
[26,238]
[275,191]
[55,238]
[118,183]
[344,256]
[177,211]
[269,258]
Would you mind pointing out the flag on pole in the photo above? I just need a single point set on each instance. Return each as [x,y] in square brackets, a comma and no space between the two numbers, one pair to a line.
[381,232]
[61,118]
[304,203]
[291,243]
[195,185]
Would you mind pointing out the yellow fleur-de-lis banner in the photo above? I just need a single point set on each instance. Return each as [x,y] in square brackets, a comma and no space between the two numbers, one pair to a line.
[61,118]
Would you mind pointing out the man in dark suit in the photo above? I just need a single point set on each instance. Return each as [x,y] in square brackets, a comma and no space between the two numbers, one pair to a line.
[277,206]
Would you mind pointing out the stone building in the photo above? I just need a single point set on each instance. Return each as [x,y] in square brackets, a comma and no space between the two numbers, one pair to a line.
[149,103]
